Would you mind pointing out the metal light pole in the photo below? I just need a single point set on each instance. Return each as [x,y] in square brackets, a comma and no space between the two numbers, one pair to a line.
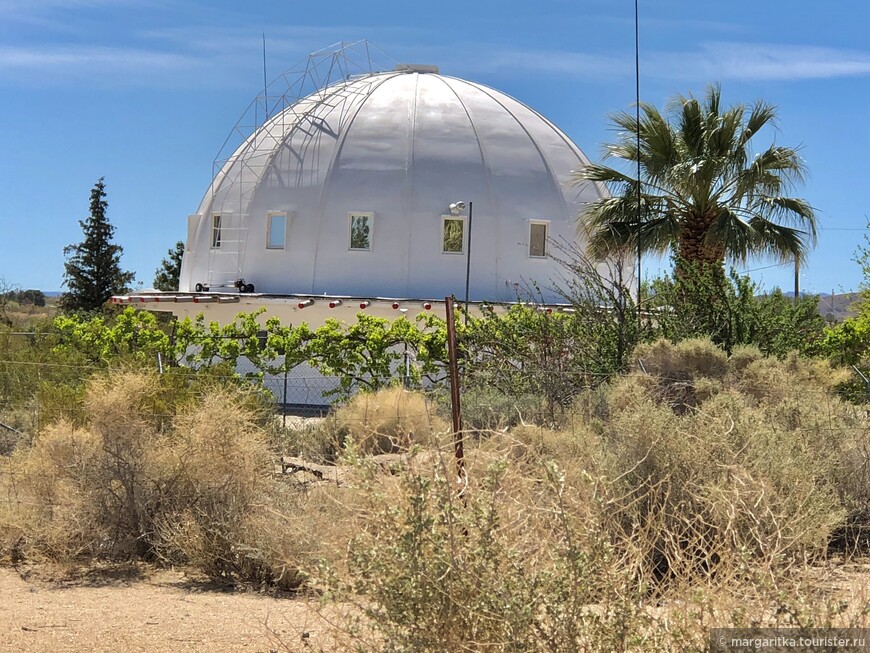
[468,260]
[455,209]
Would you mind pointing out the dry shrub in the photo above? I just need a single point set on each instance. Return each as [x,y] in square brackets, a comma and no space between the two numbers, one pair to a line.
[219,465]
[389,420]
[533,444]
[565,536]
[319,440]
[771,380]
[687,359]
[682,375]
[742,356]
[713,459]
[534,559]
[520,565]
[701,491]
[48,504]
[134,482]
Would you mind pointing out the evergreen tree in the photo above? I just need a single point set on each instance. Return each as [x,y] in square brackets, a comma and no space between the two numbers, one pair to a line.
[167,275]
[92,270]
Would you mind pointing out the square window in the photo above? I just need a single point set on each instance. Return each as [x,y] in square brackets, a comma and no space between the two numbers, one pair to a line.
[361,231]
[216,231]
[452,235]
[538,239]
[276,230]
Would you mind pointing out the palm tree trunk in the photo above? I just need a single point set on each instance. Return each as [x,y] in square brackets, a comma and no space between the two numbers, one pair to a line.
[701,285]
[693,253]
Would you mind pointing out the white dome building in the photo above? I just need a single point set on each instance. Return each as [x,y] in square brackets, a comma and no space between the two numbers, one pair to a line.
[353,191]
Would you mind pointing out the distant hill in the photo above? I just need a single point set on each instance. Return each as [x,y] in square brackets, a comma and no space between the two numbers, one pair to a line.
[834,307]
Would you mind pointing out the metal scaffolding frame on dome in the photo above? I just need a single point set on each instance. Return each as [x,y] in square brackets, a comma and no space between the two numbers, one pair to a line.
[333,68]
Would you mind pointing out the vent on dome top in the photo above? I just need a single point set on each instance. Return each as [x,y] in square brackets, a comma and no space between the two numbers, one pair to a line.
[415,68]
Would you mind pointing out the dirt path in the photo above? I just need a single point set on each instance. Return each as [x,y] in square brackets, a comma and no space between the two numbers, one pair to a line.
[154,612]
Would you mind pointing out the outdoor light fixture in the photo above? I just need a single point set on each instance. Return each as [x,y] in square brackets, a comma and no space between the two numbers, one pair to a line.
[364,304]
[427,306]
[456,208]
[304,303]
[396,305]
[334,303]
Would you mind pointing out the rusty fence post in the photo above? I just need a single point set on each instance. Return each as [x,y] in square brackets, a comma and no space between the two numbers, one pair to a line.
[455,407]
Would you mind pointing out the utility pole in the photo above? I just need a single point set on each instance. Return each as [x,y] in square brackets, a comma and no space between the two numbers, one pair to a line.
[797,277]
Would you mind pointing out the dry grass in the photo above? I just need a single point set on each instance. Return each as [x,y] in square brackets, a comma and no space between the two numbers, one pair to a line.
[702,492]
[133,482]
[389,421]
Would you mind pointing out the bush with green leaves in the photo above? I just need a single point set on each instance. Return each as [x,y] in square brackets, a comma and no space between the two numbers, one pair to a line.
[731,312]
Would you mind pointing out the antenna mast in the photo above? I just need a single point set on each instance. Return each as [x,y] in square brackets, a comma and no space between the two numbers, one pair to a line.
[637,118]
[265,83]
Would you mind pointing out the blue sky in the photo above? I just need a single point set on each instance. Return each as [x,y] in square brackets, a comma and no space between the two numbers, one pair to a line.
[144,92]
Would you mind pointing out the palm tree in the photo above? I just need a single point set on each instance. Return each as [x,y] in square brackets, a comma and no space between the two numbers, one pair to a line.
[704,196]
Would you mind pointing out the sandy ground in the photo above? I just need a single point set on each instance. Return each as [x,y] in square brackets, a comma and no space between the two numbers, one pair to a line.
[153,611]
[157,611]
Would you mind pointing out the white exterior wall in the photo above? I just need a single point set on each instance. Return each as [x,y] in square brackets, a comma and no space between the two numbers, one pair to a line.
[403,146]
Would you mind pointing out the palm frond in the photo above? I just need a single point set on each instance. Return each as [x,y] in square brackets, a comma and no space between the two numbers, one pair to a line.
[658,143]
[658,235]
[691,127]
[735,234]
[712,100]
[762,114]
[777,241]
[694,160]
[597,172]
[790,210]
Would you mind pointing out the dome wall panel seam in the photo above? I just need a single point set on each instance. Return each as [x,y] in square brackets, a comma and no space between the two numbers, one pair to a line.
[493,204]
[408,191]
[550,175]
[344,132]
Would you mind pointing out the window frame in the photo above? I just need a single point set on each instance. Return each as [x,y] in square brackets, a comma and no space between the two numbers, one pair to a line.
[532,225]
[270,216]
[371,224]
[458,218]
[216,230]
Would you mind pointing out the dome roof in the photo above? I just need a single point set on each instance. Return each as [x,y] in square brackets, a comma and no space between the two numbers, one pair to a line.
[348,192]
